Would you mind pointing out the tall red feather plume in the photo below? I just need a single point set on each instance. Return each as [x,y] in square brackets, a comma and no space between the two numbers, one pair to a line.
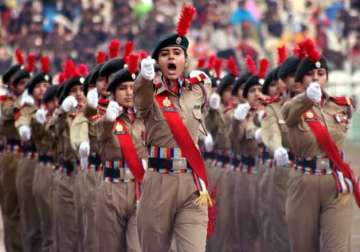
[298,51]
[250,65]
[186,16]
[201,63]
[61,78]
[31,62]
[100,57]
[311,51]
[129,46]
[45,64]
[19,56]
[263,67]
[217,67]
[133,63]
[82,70]
[143,54]
[282,55]
[114,47]
[232,67]
[69,69]
[211,61]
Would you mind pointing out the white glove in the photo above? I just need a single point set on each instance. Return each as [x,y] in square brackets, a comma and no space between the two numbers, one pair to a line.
[40,116]
[113,111]
[281,156]
[69,104]
[214,101]
[313,91]
[148,68]
[209,143]
[260,115]
[26,99]
[258,135]
[84,150]
[93,98]
[241,111]
[25,133]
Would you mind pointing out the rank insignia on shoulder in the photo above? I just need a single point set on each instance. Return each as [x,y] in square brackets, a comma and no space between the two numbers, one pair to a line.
[343,101]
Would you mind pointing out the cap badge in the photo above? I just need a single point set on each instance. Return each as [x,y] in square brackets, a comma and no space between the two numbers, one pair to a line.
[82,80]
[318,64]
[261,81]
[178,40]
[133,76]
[46,77]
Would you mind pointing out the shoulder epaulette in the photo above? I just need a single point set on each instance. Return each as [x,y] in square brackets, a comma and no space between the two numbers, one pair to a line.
[197,79]
[95,117]
[342,101]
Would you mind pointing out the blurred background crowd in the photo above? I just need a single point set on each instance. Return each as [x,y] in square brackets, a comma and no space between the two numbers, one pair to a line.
[79,28]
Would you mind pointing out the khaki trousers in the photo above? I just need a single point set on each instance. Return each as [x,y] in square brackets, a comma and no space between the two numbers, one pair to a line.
[30,219]
[115,216]
[43,193]
[279,237]
[9,204]
[80,190]
[167,209]
[246,213]
[92,182]
[65,214]
[318,220]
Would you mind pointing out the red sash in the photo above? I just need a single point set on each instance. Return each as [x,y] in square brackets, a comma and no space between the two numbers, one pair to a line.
[184,141]
[329,147]
[128,149]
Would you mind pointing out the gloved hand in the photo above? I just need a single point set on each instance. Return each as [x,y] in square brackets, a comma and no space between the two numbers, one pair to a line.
[92,98]
[25,133]
[241,111]
[69,104]
[84,150]
[281,156]
[113,111]
[214,101]
[26,99]
[313,91]
[209,142]
[148,68]
[40,115]
[258,135]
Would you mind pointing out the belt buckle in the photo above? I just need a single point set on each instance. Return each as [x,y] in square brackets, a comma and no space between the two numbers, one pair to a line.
[179,164]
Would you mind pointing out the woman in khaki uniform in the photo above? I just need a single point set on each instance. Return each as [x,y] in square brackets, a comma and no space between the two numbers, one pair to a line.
[43,184]
[118,194]
[318,206]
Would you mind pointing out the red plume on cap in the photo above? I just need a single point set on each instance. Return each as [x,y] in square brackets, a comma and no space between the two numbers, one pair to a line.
[133,63]
[69,69]
[114,47]
[19,56]
[282,54]
[250,65]
[143,54]
[31,62]
[298,51]
[187,14]
[82,70]
[211,61]
[201,63]
[263,66]
[217,67]
[100,57]
[310,48]
[61,78]
[232,67]
[45,64]
[129,46]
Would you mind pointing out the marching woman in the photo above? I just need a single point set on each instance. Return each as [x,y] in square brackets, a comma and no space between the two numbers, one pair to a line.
[318,205]
[175,199]
[120,133]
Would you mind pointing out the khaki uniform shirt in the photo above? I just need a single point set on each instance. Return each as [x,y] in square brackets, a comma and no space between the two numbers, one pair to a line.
[189,104]
[302,141]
